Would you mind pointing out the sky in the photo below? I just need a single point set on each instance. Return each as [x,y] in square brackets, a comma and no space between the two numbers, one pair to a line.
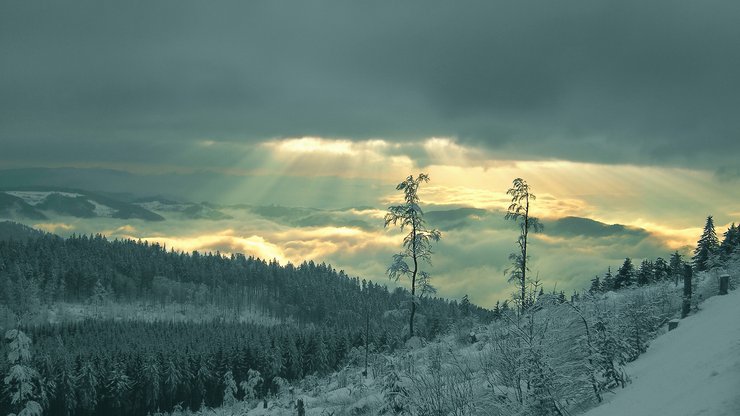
[621,112]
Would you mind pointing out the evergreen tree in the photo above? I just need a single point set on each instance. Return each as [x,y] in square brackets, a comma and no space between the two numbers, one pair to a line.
[66,392]
[625,275]
[150,379]
[497,311]
[676,267]
[417,244]
[645,273]
[707,246]
[87,386]
[609,283]
[118,386]
[230,390]
[22,381]
[612,352]
[661,270]
[172,379]
[465,306]
[730,242]
[595,285]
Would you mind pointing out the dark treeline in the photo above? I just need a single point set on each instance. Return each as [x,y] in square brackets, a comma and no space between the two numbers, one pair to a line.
[98,367]
[48,268]
[710,252]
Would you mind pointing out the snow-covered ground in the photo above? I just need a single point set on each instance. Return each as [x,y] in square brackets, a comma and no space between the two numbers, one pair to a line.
[693,370]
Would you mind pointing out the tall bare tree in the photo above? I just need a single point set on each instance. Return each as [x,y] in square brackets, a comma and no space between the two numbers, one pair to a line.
[519,213]
[417,245]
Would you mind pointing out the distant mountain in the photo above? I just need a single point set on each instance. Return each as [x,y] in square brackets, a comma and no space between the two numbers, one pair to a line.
[187,210]
[455,218]
[13,207]
[585,227]
[38,203]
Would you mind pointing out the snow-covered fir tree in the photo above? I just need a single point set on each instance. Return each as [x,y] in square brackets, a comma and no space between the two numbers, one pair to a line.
[706,247]
[22,381]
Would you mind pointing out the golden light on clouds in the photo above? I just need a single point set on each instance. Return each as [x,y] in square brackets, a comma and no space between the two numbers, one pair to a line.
[56,227]
[664,200]
[314,145]
[293,245]
[669,204]
[224,241]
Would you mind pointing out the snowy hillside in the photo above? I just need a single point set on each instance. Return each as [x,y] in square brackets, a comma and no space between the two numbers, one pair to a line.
[692,370]
[43,204]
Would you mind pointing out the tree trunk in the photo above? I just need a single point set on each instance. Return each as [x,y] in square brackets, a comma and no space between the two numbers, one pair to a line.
[686,307]
[724,284]
[367,334]
[413,281]
[524,252]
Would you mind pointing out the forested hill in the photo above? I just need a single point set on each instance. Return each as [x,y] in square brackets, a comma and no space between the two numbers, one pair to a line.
[46,268]
[10,230]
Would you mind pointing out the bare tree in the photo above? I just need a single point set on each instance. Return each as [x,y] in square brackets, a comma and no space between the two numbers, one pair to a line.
[519,213]
[417,245]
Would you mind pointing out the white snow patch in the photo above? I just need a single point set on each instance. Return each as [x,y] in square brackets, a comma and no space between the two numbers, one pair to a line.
[162,206]
[37,197]
[690,371]
[102,210]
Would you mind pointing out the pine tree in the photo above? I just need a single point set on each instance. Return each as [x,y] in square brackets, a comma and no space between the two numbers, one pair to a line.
[730,242]
[229,390]
[612,352]
[608,283]
[707,246]
[645,273]
[465,306]
[172,378]
[676,267]
[661,270]
[625,275]
[87,386]
[22,381]
[497,311]
[595,285]
[118,386]
[67,387]
[150,379]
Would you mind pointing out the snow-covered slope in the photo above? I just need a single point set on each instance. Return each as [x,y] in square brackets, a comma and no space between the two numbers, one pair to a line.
[690,371]
[41,204]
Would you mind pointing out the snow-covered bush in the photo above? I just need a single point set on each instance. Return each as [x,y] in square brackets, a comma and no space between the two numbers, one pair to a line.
[249,386]
[395,392]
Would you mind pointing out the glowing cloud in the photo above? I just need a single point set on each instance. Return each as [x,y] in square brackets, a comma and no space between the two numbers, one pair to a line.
[54,227]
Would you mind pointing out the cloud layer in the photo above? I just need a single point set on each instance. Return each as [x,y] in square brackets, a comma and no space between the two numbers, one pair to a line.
[606,82]
[470,259]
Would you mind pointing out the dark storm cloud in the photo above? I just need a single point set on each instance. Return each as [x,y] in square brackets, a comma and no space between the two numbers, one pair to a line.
[607,81]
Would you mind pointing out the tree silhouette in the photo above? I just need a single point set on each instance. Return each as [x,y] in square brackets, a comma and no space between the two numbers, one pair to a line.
[519,213]
[707,246]
[417,245]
